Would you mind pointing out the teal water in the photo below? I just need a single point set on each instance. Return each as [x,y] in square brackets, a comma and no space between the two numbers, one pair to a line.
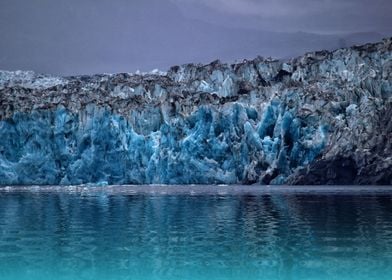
[195,233]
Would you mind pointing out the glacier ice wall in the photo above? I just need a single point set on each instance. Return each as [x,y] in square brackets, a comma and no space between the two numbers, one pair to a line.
[315,119]
[209,146]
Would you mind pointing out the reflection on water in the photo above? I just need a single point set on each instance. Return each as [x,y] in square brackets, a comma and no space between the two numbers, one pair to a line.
[264,236]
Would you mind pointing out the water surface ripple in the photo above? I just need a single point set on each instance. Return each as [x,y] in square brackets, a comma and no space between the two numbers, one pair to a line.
[177,233]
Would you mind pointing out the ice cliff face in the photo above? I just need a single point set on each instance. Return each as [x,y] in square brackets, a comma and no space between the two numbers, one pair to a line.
[323,118]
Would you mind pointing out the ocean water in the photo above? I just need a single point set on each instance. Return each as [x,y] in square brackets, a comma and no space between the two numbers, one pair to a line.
[195,232]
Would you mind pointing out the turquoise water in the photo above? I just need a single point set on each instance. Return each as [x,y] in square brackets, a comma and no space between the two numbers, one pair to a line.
[195,233]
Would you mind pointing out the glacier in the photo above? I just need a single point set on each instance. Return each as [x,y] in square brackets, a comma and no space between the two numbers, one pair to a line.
[322,118]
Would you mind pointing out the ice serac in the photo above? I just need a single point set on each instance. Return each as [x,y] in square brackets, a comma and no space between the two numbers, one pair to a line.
[323,118]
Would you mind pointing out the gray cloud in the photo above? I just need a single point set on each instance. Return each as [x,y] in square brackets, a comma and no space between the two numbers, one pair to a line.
[91,36]
[265,8]
[329,16]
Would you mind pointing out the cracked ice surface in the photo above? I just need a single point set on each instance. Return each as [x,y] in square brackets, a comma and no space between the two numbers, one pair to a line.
[260,121]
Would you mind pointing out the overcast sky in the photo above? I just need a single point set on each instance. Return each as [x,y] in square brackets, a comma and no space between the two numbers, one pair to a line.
[90,36]
[326,16]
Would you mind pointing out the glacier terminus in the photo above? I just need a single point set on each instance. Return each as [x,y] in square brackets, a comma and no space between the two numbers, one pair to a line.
[322,118]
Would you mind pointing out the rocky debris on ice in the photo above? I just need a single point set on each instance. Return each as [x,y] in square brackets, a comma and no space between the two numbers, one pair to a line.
[322,118]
